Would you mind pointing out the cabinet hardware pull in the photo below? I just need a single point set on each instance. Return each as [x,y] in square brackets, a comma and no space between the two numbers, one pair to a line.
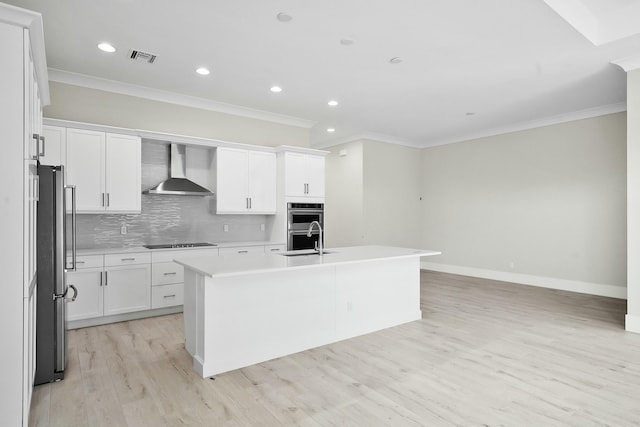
[128,259]
[79,262]
[106,282]
[101,278]
[102,199]
[41,153]
[243,252]
[275,249]
[169,296]
[37,138]
[173,273]
[107,199]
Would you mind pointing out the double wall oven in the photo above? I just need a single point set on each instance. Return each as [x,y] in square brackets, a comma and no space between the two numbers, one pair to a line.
[299,218]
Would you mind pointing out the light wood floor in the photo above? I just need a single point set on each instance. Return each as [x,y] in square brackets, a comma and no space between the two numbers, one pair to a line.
[485,354]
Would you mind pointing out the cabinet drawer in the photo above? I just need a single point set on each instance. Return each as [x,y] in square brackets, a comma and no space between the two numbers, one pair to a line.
[114,260]
[164,273]
[242,250]
[87,261]
[168,256]
[268,249]
[167,295]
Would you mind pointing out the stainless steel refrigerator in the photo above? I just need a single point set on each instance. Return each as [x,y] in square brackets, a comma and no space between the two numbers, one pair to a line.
[53,292]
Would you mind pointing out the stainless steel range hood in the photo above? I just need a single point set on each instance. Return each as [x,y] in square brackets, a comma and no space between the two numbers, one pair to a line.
[178,184]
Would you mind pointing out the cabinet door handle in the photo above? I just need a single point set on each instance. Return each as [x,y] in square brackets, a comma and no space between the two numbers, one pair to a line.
[106,282]
[275,249]
[169,296]
[102,199]
[127,259]
[41,152]
[101,278]
[37,138]
[107,199]
[79,262]
[173,273]
[243,252]
[249,202]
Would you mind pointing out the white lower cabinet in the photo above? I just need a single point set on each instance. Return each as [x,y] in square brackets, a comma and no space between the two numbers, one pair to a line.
[88,304]
[121,286]
[167,295]
[242,250]
[167,277]
[274,248]
[126,289]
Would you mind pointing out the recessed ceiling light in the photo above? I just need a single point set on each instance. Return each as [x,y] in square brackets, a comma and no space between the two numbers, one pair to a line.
[331,130]
[395,60]
[106,47]
[276,89]
[203,71]
[332,103]
[284,17]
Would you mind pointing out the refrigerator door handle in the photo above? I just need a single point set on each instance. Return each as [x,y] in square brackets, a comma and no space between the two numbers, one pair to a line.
[75,293]
[64,295]
[74,229]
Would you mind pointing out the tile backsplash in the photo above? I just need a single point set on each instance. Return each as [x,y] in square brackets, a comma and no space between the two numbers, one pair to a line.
[170,219]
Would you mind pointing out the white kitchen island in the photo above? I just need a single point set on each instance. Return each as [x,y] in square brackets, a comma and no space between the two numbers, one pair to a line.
[245,309]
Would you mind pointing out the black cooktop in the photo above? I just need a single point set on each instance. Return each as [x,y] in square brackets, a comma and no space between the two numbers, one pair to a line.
[178,245]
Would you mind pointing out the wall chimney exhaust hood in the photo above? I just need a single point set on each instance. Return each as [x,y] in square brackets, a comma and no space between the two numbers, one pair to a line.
[178,184]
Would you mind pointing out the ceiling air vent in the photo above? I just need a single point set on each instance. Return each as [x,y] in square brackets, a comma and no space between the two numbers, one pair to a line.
[138,55]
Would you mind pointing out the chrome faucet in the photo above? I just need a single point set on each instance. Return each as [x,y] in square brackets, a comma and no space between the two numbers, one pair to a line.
[318,244]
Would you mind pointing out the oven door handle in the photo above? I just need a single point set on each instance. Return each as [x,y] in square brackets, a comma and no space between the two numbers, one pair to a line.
[303,232]
[305,211]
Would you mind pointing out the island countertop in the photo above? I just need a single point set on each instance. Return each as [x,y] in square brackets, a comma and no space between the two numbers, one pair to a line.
[222,266]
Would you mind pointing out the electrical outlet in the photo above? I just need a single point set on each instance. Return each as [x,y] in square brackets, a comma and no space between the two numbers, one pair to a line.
[512,265]
[225,228]
[261,227]
[123,229]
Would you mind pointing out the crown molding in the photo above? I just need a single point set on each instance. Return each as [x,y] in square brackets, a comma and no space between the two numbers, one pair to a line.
[588,113]
[629,63]
[83,80]
[372,136]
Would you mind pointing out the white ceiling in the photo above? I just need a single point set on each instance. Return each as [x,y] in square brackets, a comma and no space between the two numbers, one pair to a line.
[513,63]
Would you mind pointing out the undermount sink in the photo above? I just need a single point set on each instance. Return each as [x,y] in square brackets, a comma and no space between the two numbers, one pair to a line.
[304,252]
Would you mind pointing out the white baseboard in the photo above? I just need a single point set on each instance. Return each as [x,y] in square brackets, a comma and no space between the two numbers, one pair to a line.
[612,291]
[632,323]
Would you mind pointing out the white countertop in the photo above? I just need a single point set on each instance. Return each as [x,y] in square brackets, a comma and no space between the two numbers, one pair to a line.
[233,265]
[103,251]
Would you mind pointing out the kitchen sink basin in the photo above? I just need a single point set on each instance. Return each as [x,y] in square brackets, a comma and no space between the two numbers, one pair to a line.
[304,252]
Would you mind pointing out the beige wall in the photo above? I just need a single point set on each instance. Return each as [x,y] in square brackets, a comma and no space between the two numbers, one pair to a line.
[344,196]
[107,108]
[391,195]
[547,202]
[633,199]
[373,195]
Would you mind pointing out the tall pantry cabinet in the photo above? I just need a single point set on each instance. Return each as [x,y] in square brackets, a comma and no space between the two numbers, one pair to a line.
[24,90]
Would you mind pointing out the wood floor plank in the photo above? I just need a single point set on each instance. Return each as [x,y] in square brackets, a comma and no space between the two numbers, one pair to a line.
[485,353]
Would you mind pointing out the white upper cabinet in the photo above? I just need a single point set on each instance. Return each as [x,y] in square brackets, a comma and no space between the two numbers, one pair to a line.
[123,164]
[106,170]
[245,181]
[304,175]
[54,145]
